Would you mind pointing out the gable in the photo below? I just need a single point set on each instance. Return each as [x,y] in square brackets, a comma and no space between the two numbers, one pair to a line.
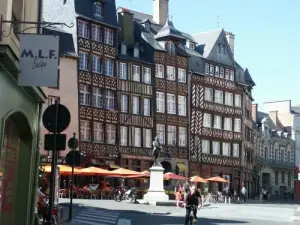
[227,57]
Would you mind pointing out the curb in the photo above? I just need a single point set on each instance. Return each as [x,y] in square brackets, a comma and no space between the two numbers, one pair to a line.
[160,213]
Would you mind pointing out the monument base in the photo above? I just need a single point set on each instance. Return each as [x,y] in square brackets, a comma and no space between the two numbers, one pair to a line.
[156,191]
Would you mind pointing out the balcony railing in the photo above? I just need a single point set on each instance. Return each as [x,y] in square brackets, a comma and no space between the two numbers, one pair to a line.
[275,163]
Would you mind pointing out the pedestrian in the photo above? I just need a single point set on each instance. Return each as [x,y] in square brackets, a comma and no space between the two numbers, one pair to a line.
[178,193]
[186,186]
[244,193]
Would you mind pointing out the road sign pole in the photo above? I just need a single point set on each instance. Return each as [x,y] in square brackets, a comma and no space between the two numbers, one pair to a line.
[72,178]
[53,168]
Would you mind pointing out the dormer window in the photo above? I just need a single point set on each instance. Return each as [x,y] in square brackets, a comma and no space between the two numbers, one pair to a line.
[147,26]
[136,52]
[98,9]
[170,47]
[123,49]
[191,45]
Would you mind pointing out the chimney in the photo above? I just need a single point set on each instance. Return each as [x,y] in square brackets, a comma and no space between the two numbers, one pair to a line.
[230,38]
[254,112]
[125,20]
[160,11]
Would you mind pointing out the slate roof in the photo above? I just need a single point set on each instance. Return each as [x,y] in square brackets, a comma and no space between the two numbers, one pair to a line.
[84,8]
[260,116]
[295,110]
[206,41]
[168,30]
[66,44]
[248,78]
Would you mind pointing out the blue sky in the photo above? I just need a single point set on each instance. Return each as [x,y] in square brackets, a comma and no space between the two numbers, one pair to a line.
[267,38]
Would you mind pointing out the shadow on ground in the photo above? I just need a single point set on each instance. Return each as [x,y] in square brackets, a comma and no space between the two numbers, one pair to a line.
[145,218]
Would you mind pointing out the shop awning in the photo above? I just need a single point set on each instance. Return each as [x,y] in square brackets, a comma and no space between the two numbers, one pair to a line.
[113,166]
[181,167]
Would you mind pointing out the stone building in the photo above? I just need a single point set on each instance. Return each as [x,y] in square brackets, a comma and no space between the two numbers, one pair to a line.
[274,154]
[20,111]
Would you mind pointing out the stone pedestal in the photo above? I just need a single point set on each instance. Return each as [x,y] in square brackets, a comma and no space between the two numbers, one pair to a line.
[156,191]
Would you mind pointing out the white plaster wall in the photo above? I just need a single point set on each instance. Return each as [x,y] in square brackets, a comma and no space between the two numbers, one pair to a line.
[280,106]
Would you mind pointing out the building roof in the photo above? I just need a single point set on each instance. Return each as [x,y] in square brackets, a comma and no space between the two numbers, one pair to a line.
[66,43]
[85,9]
[168,30]
[206,41]
[260,116]
[248,78]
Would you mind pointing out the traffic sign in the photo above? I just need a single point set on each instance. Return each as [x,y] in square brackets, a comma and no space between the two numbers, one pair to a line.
[73,143]
[77,158]
[63,118]
[60,142]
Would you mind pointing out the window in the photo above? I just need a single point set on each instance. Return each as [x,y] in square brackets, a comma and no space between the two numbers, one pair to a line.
[137,137]
[136,105]
[181,75]
[288,156]
[217,71]
[160,102]
[211,69]
[148,138]
[136,52]
[207,120]
[52,99]
[237,125]
[206,146]
[181,105]
[282,177]
[171,103]
[160,131]
[216,147]
[289,179]
[124,103]
[228,99]
[84,95]
[159,71]
[98,132]
[96,64]
[147,75]
[83,29]
[191,45]
[208,96]
[219,96]
[237,101]
[83,61]
[147,26]
[217,122]
[97,100]
[109,67]
[108,36]
[206,68]
[147,106]
[228,124]
[236,150]
[171,73]
[221,72]
[97,9]
[276,177]
[231,75]
[171,135]
[182,136]
[111,133]
[170,47]
[123,49]
[85,130]
[136,73]
[110,99]
[96,33]
[123,71]
[226,149]
[124,136]
[227,74]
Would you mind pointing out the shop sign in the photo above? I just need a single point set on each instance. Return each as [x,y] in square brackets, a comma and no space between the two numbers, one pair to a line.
[39,55]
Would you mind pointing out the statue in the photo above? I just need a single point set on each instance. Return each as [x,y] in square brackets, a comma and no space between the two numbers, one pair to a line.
[157,149]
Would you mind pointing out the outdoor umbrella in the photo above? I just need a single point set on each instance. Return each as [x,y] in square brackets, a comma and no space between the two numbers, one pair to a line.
[197,179]
[217,179]
[173,176]
[94,171]
[63,170]
[121,172]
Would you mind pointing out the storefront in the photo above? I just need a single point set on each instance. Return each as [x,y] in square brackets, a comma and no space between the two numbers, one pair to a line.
[19,155]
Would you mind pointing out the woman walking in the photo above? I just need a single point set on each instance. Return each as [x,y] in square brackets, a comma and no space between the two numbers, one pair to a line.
[178,193]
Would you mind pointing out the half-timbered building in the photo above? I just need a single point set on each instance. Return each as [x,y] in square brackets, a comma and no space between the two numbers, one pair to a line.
[170,86]
[135,94]
[216,140]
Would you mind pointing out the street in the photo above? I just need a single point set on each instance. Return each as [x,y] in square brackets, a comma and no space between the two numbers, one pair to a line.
[107,212]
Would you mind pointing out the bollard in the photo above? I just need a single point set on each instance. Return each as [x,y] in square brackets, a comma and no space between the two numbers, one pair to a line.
[238,199]
[225,200]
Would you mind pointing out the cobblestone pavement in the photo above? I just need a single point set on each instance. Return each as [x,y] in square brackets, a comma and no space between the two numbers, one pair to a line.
[107,212]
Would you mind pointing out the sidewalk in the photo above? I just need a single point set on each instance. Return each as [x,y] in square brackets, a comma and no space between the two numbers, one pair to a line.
[64,212]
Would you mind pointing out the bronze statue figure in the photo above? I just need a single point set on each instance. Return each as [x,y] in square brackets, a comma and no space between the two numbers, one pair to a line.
[157,149]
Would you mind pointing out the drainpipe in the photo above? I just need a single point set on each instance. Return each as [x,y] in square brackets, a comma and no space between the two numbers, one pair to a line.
[39,19]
